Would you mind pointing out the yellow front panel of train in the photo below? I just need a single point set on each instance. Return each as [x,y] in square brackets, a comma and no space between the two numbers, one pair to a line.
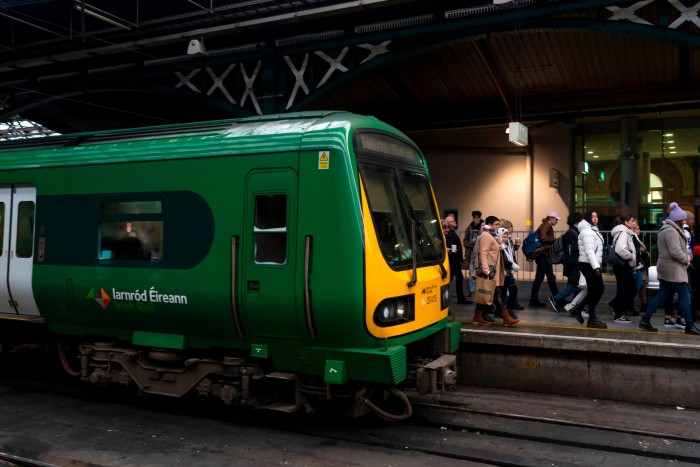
[383,285]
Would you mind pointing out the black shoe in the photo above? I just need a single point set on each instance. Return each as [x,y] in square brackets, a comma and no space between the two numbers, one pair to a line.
[691,329]
[463,302]
[596,324]
[536,304]
[488,317]
[555,305]
[517,306]
[576,313]
[646,325]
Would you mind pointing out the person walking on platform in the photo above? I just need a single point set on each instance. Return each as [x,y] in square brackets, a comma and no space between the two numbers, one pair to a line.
[510,286]
[454,251]
[623,243]
[643,259]
[671,268]
[470,236]
[545,232]
[570,262]
[510,289]
[489,263]
[590,258]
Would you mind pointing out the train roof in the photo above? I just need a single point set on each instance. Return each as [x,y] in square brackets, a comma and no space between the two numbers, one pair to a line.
[270,133]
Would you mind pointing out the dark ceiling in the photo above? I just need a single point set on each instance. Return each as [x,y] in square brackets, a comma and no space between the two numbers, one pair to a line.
[530,60]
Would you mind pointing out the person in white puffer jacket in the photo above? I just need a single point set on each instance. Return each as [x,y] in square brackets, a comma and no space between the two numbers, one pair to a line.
[590,259]
[623,242]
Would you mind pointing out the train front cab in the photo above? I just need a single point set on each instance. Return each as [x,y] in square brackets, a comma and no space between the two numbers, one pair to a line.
[406,266]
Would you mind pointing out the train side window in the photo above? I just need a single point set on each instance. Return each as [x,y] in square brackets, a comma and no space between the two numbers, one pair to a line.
[270,229]
[25,229]
[126,236]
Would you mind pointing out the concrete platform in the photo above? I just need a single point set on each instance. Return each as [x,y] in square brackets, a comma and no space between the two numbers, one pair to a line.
[552,353]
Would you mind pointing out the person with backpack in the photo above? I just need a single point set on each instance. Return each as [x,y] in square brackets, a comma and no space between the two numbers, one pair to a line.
[569,260]
[545,232]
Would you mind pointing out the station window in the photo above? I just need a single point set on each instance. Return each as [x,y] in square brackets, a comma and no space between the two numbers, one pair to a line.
[131,231]
[25,229]
[270,229]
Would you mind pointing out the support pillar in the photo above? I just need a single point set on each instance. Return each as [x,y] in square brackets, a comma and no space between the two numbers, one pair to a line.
[629,166]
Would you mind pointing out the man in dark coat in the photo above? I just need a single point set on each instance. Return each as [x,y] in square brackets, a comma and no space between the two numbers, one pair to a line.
[454,250]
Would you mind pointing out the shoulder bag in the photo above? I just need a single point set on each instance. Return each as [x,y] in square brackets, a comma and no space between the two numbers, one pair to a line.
[613,258]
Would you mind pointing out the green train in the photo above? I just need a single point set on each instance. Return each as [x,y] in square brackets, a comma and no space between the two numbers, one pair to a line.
[270,262]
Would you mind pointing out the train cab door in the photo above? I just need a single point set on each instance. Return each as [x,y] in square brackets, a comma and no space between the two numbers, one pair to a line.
[268,286]
[17,207]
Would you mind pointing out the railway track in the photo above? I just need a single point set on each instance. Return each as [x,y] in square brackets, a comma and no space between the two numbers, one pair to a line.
[469,425]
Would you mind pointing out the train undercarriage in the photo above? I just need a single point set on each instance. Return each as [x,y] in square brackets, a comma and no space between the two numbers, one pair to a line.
[237,381]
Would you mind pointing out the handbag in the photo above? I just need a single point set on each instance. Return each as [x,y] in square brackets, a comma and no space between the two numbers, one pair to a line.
[483,292]
[613,257]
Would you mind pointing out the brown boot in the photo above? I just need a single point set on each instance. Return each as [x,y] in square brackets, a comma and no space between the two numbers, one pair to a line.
[479,317]
[507,320]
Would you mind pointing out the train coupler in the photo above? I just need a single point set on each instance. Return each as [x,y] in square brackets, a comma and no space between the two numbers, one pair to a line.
[437,375]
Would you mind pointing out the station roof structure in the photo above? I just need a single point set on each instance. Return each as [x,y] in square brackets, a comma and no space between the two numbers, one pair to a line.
[82,65]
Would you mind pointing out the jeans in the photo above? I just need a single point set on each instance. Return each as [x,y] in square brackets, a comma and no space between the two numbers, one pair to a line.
[570,289]
[544,268]
[638,280]
[667,289]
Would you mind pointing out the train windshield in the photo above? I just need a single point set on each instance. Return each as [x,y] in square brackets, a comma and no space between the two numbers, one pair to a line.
[403,210]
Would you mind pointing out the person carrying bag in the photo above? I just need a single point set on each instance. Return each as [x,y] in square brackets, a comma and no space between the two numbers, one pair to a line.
[489,267]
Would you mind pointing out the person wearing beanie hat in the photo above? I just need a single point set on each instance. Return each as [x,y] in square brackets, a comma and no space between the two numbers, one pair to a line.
[676,213]
[545,232]
[671,268]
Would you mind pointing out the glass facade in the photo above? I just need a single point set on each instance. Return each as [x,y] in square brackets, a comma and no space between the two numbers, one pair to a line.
[637,166]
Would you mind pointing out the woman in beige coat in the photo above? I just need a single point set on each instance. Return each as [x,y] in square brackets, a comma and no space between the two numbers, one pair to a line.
[489,263]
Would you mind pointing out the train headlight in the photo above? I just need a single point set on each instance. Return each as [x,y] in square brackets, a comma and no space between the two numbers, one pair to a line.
[444,296]
[395,310]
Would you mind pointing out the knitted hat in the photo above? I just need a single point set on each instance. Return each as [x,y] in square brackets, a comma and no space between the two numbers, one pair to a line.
[677,214]
[502,231]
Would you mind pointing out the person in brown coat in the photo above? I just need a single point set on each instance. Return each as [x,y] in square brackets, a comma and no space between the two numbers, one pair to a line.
[489,263]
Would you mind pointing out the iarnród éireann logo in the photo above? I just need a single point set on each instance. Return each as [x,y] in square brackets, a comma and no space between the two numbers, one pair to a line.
[103,299]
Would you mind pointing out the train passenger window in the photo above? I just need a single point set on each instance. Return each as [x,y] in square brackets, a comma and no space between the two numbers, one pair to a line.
[25,229]
[126,236]
[270,229]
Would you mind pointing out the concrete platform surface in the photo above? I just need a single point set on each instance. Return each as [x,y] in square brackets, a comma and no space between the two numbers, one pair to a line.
[544,328]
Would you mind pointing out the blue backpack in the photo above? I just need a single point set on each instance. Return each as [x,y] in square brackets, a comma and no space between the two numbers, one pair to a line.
[530,245]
